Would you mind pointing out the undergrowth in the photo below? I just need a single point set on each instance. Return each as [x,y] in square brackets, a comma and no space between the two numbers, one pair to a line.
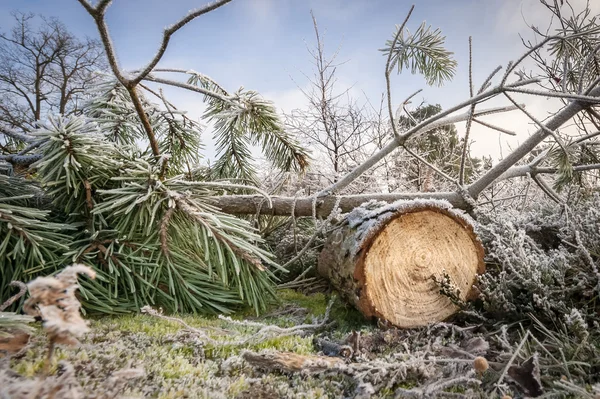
[532,332]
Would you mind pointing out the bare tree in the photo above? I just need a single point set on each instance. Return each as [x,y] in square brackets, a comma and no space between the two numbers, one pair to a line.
[423,52]
[333,125]
[44,69]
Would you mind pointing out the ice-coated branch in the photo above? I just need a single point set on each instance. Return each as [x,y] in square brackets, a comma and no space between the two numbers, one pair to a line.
[190,87]
[436,121]
[16,135]
[524,170]
[487,82]
[511,159]
[130,83]
[287,206]
[494,127]
[168,32]
[557,94]
[24,160]
[463,158]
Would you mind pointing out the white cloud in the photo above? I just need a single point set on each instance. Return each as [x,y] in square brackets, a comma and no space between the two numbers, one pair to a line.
[514,16]
[287,100]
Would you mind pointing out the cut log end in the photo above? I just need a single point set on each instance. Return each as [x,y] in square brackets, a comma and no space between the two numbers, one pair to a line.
[390,276]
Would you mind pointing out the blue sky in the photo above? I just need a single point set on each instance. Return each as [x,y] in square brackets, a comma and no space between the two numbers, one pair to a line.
[261,44]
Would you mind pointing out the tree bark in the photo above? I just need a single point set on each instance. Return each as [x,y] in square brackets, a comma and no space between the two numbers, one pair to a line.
[389,261]
[303,206]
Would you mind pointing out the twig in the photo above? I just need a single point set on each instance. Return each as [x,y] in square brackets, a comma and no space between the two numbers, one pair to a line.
[588,258]
[315,234]
[168,32]
[228,100]
[388,72]
[512,359]
[12,299]
[463,158]
[264,331]
[547,189]
[511,159]
[540,124]
[494,127]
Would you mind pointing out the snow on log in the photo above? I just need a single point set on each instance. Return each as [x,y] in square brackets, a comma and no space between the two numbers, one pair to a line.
[385,259]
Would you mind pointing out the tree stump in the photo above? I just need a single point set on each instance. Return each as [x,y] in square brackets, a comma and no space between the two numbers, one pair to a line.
[388,259]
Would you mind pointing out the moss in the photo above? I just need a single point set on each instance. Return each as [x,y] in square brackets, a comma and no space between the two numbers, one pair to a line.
[315,303]
[346,317]
[177,367]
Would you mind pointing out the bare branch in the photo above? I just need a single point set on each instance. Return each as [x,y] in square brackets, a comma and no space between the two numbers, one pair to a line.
[463,158]
[102,6]
[137,103]
[436,121]
[88,7]
[106,40]
[556,94]
[554,123]
[494,127]
[168,32]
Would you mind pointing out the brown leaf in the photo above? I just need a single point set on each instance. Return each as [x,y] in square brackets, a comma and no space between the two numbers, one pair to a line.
[14,343]
[527,376]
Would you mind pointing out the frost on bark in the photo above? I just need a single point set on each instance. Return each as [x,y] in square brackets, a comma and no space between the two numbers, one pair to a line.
[388,260]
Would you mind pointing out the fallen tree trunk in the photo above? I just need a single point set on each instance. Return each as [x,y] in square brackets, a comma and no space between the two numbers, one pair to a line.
[388,260]
[303,206]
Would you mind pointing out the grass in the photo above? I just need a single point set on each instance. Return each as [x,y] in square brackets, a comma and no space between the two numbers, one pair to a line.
[176,366]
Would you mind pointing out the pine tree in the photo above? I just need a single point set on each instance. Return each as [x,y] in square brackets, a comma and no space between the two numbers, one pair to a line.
[119,187]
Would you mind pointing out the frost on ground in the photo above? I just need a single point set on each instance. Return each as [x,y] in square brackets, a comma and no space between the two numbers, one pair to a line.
[533,332]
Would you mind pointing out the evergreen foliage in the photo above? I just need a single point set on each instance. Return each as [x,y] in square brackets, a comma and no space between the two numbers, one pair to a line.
[98,197]
[441,147]
[422,52]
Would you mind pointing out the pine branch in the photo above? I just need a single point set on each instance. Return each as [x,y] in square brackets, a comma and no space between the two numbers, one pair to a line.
[24,160]
[16,135]
[423,52]
[388,70]
[218,96]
